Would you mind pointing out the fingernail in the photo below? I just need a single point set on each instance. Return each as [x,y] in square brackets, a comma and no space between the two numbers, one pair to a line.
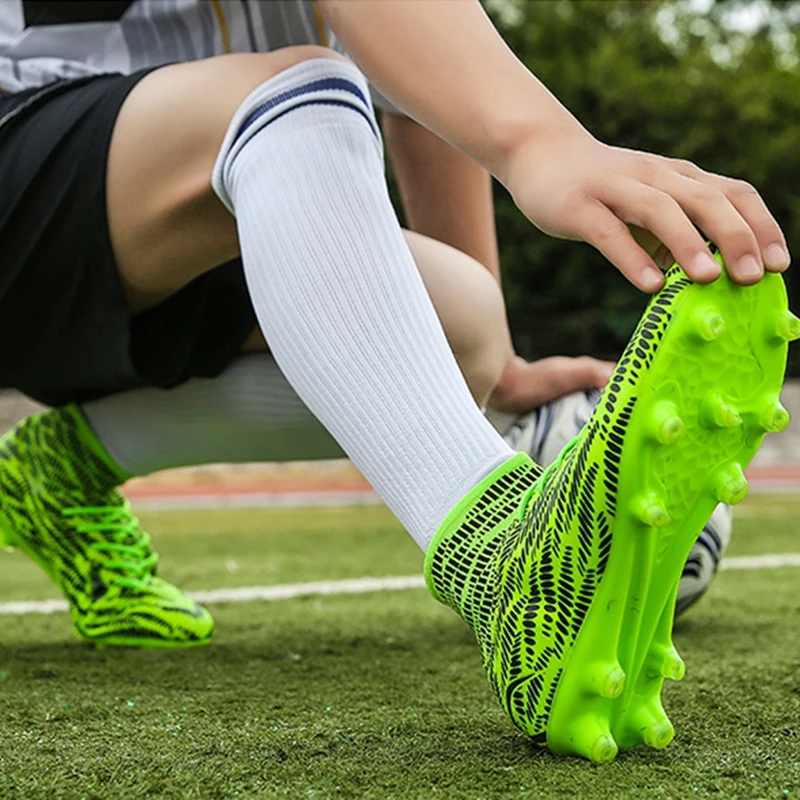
[748,267]
[776,256]
[705,266]
[652,279]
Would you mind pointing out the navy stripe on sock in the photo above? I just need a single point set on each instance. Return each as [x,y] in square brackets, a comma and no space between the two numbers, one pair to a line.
[321,85]
[319,102]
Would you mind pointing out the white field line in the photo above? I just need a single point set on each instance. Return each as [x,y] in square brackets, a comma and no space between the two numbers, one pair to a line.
[287,591]
[769,561]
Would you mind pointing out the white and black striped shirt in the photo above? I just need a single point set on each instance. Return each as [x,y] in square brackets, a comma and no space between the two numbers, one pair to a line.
[42,41]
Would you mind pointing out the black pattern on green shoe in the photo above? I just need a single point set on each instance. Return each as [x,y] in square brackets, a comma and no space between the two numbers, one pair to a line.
[571,595]
[59,503]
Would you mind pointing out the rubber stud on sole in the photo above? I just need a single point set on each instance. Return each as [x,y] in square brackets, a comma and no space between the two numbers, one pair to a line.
[659,734]
[708,324]
[774,418]
[649,724]
[650,510]
[593,741]
[731,485]
[614,683]
[788,326]
[673,666]
[604,749]
[606,679]
[666,424]
[717,413]
[664,660]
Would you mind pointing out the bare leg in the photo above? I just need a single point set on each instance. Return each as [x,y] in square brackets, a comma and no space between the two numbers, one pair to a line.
[167,226]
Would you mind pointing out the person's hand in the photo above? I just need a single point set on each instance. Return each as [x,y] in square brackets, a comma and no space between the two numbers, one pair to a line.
[527,385]
[640,210]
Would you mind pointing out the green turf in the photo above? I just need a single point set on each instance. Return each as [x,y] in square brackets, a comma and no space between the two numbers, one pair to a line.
[212,549]
[378,695]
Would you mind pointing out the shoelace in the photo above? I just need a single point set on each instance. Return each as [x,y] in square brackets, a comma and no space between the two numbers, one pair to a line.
[528,496]
[127,550]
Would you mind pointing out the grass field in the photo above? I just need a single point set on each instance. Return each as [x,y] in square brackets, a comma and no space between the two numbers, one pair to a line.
[377,695]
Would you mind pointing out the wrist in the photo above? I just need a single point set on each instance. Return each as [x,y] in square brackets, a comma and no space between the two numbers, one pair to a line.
[532,144]
[506,386]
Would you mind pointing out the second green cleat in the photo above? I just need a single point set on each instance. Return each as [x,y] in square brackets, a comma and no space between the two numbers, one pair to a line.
[568,577]
[59,503]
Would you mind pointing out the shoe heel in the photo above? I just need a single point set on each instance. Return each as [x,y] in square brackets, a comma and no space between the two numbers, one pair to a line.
[7,539]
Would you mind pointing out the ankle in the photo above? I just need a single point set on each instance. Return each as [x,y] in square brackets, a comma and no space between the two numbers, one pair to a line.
[482,515]
[105,472]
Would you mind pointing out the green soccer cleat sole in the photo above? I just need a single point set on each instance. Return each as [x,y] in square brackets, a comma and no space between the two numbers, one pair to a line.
[135,642]
[568,576]
[699,413]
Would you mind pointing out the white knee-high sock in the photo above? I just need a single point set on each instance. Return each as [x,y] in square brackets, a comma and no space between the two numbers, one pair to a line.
[248,413]
[339,297]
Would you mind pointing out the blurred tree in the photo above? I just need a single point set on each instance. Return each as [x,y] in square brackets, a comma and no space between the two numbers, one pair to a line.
[717,83]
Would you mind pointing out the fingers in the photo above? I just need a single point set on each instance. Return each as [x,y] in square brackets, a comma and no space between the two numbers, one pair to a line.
[723,194]
[601,372]
[604,230]
[661,214]
[658,252]
[600,191]
[770,239]
[533,384]
[576,374]
[670,201]
[721,221]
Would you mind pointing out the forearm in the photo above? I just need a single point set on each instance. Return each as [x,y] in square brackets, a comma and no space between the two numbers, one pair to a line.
[445,65]
[446,195]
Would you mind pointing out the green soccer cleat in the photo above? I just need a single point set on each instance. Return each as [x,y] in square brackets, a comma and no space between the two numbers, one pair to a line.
[568,577]
[60,505]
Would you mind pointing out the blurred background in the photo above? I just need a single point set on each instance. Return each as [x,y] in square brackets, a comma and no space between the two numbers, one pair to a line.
[714,82]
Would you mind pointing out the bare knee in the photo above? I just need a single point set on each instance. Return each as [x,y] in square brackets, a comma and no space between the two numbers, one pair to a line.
[228,79]
[166,225]
[470,306]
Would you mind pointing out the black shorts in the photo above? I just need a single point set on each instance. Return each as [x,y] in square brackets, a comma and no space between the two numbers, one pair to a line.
[66,333]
